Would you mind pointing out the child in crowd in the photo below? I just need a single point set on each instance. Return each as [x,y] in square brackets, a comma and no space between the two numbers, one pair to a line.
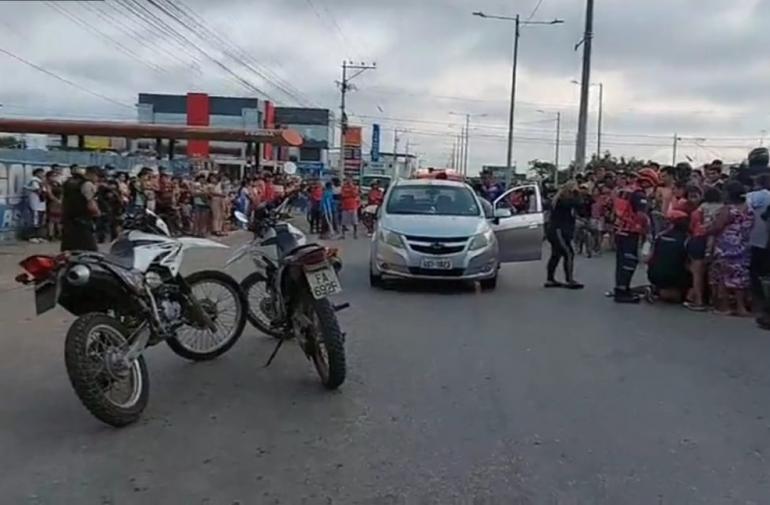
[700,247]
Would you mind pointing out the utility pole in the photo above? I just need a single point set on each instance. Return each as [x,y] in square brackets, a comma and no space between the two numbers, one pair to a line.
[345,86]
[467,134]
[676,141]
[464,140]
[517,33]
[406,158]
[585,83]
[512,109]
[395,152]
[556,156]
[599,126]
[452,157]
[461,151]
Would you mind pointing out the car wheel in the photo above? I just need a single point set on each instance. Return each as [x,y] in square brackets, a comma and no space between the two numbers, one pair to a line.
[375,280]
[489,284]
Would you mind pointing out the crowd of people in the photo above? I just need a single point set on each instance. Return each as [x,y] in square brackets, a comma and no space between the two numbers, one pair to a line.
[702,232]
[94,201]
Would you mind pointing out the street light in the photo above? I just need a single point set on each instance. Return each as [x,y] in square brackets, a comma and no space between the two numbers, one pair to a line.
[601,113]
[558,139]
[517,34]
[464,157]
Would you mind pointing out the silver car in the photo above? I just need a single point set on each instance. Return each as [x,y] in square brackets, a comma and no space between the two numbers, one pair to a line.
[441,230]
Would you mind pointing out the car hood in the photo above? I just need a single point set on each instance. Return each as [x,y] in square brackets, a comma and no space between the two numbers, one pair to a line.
[434,226]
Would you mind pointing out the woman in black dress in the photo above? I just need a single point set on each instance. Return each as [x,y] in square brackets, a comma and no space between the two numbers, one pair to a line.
[560,231]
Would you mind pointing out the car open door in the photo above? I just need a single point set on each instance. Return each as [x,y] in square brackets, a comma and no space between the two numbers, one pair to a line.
[518,224]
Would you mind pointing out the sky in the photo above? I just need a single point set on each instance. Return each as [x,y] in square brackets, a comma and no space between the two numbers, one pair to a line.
[697,69]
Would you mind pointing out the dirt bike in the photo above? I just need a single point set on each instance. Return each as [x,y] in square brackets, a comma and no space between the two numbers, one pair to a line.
[288,294]
[131,299]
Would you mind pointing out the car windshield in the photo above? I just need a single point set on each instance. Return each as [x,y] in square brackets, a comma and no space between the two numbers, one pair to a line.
[434,200]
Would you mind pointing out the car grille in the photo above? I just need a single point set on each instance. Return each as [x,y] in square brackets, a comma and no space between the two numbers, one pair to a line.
[455,272]
[437,249]
[417,238]
[436,245]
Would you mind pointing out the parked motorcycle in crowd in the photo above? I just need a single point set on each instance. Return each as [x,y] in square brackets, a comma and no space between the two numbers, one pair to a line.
[128,300]
[288,294]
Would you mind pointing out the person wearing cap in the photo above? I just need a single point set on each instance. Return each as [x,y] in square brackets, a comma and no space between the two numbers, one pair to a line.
[632,223]
[79,209]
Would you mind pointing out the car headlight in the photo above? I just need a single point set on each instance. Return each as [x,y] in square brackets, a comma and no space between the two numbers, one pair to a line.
[392,239]
[481,241]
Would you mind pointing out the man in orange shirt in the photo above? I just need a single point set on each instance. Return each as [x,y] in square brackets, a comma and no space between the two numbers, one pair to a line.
[350,203]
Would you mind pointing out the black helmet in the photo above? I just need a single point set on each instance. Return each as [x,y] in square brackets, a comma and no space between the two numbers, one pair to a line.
[759,156]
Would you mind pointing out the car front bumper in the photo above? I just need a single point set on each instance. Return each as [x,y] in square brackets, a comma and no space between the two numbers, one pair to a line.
[405,263]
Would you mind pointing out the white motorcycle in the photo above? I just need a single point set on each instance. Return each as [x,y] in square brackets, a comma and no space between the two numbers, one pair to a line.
[128,300]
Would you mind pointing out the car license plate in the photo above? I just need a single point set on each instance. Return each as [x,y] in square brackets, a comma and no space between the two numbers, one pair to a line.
[45,296]
[436,264]
[323,282]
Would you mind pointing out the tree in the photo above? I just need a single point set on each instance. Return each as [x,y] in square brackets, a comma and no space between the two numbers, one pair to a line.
[544,170]
[10,142]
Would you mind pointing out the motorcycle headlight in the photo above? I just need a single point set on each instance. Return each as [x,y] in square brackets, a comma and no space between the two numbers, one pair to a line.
[153,279]
[392,239]
[481,241]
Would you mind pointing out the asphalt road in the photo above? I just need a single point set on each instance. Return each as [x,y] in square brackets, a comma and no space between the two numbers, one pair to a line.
[521,396]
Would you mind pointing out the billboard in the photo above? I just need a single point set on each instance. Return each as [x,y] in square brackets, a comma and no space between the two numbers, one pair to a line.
[353,160]
[375,153]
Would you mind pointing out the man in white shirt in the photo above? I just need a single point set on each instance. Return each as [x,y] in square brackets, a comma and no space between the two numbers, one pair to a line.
[35,193]
[759,201]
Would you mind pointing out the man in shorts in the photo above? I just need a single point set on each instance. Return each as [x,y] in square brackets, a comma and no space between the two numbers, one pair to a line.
[350,201]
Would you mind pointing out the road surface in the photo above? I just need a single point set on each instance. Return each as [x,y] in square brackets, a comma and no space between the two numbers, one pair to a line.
[521,396]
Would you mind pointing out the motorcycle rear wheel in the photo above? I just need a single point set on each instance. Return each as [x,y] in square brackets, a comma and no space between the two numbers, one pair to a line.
[328,352]
[90,338]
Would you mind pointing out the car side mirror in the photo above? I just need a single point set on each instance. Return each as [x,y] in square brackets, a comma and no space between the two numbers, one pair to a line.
[502,213]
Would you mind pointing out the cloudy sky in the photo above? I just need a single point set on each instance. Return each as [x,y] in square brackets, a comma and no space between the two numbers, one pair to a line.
[696,67]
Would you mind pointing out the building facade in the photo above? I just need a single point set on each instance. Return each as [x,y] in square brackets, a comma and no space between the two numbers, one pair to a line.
[200,109]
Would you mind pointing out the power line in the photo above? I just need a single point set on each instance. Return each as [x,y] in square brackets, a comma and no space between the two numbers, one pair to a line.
[344,42]
[107,38]
[134,34]
[534,11]
[64,79]
[237,54]
[138,9]
[157,27]
[245,82]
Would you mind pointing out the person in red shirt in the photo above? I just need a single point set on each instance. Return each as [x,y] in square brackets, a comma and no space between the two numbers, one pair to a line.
[351,201]
[376,195]
[316,195]
[268,193]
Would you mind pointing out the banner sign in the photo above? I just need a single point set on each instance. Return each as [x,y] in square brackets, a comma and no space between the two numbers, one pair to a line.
[375,142]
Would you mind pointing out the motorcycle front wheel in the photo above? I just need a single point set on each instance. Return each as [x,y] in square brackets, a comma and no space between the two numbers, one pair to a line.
[113,393]
[221,298]
[254,287]
[327,343]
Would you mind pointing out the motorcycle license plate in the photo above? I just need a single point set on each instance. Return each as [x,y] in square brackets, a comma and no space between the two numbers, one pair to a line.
[323,282]
[45,296]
